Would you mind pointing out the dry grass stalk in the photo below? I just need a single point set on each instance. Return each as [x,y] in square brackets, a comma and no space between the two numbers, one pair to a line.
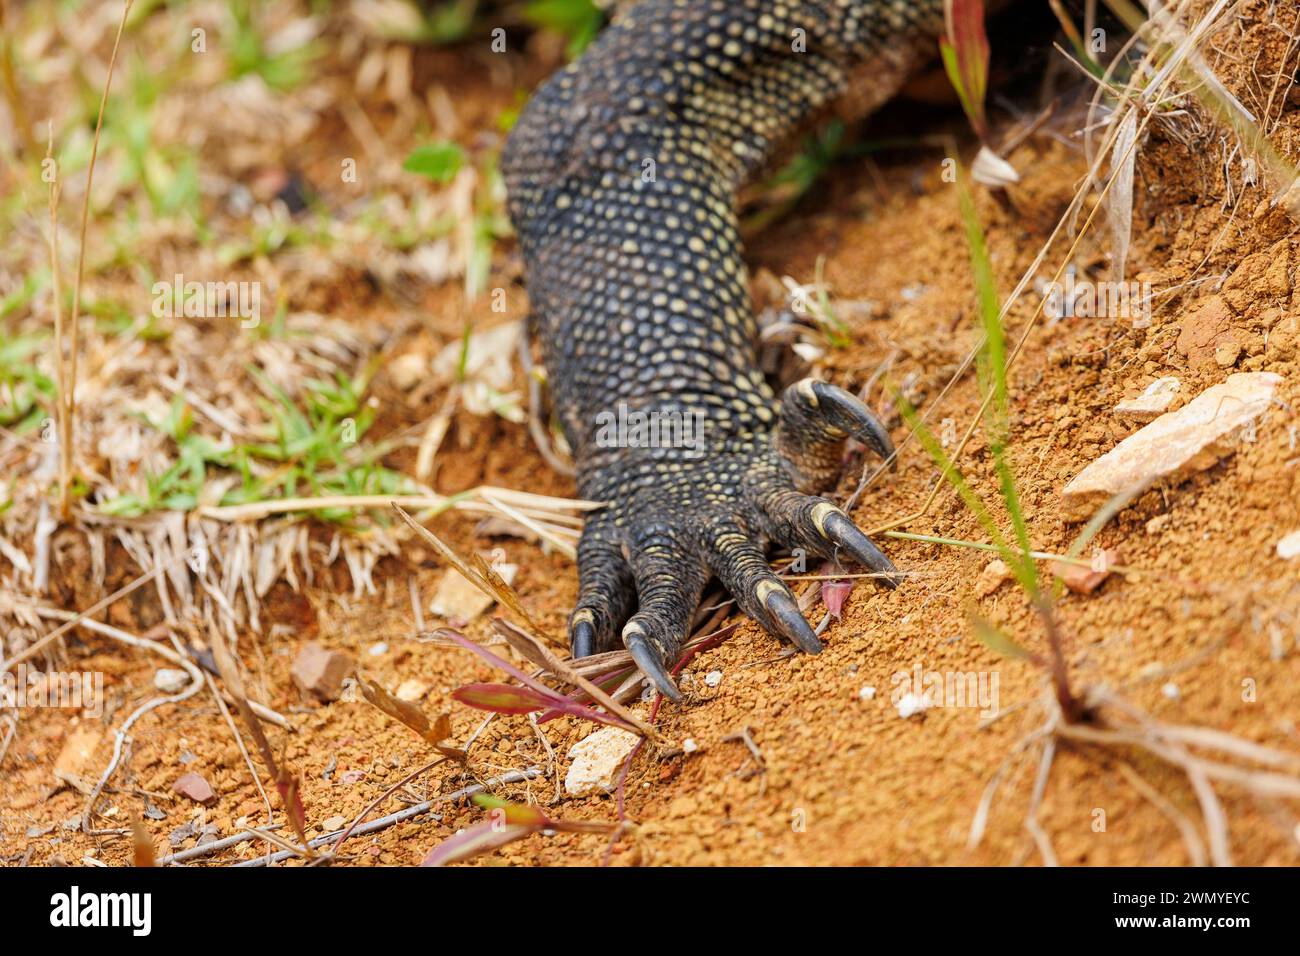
[285,782]
[537,527]
[480,575]
[69,396]
[61,372]
[465,501]
[1116,724]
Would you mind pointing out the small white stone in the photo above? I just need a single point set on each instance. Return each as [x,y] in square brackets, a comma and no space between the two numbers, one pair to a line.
[411,690]
[378,650]
[1289,547]
[866,693]
[598,760]
[170,681]
[1152,403]
[910,705]
[1171,691]
[689,745]
[713,678]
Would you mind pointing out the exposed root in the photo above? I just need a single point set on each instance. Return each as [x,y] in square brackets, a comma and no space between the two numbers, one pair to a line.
[1172,744]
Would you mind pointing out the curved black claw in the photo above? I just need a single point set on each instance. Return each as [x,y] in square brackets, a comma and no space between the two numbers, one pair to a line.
[788,620]
[838,528]
[605,592]
[650,658]
[582,636]
[816,419]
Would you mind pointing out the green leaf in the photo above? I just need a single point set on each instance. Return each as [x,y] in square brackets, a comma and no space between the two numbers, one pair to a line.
[579,20]
[438,161]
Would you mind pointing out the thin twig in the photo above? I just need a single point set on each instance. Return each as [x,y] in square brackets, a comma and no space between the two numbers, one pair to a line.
[514,776]
[69,397]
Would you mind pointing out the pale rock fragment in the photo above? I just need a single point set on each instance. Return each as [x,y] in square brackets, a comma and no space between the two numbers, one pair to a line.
[598,760]
[994,575]
[910,705]
[170,680]
[1175,445]
[411,690]
[319,671]
[75,757]
[1085,580]
[195,787]
[1152,403]
[458,599]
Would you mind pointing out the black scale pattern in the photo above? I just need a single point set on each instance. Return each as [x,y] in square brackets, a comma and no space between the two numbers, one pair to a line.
[621,175]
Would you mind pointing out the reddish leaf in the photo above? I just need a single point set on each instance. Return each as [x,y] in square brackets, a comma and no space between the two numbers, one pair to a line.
[291,797]
[475,840]
[965,52]
[551,696]
[834,593]
[501,698]
[141,844]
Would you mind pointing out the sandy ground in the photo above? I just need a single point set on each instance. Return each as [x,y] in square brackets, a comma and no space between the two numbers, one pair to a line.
[1203,632]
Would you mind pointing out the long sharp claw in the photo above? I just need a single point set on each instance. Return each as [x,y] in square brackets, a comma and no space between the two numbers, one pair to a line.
[583,638]
[647,658]
[790,622]
[865,427]
[839,529]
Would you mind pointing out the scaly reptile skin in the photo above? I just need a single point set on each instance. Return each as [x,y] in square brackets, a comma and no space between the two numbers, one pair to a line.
[621,175]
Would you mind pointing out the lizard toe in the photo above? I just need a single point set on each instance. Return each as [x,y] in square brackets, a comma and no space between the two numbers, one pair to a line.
[606,593]
[816,419]
[669,581]
[812,522]
[741,567]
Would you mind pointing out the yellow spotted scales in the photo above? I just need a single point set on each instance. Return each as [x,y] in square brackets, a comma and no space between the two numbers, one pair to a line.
[622,173]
